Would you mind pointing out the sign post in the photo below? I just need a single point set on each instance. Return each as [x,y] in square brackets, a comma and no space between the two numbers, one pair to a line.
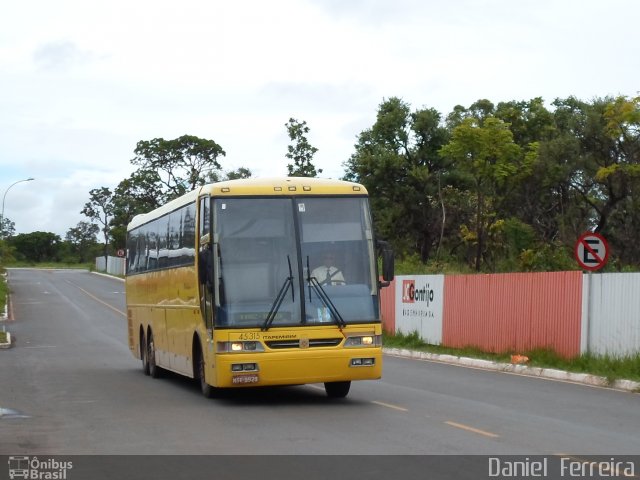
[591,251]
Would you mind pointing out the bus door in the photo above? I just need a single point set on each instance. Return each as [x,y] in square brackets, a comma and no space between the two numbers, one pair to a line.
[205,265]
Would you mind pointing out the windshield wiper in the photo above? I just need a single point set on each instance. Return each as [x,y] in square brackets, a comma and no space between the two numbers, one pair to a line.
[288,284]
[322,295]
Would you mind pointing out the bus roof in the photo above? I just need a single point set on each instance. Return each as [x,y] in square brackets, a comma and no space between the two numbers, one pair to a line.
[284,186]
[276,186]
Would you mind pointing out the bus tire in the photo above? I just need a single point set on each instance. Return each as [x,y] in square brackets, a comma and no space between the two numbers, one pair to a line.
[154,369]
[337,389]
[198,360]
[143,353]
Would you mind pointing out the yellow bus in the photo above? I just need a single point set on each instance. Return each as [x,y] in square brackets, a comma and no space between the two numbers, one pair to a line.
[258,282]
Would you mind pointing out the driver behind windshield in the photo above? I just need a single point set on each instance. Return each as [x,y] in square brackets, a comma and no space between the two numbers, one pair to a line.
[328,273]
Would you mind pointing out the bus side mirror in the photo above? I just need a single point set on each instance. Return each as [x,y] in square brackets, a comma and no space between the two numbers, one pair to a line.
[388,263]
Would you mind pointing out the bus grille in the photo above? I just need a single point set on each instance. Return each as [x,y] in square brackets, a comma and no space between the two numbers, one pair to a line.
[313,342]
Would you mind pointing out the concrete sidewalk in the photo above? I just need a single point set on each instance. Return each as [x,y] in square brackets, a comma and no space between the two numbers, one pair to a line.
[549,373]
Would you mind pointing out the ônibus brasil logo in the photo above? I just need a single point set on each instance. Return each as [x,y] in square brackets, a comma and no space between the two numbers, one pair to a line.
[35,469]
[410,294]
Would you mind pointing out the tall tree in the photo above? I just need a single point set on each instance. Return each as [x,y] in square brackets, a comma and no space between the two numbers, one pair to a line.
[82,240]
[301,152]
[140,193]
[7,228]
[607,163]
[100,209]
[397,160]
[489,156]
[539,199]
[180,164]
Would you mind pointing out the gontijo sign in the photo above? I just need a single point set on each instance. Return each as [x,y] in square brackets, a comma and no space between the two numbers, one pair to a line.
[420,306]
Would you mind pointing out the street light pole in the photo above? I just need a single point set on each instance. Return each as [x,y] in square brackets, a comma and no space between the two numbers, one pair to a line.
[5,196]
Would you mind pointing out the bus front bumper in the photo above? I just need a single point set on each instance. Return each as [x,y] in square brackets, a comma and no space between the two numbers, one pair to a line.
[299,367]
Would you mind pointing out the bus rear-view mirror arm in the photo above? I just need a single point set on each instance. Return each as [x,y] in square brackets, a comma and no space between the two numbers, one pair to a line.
[388,262]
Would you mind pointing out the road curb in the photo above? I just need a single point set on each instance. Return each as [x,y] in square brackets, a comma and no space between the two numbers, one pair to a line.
[4,346]
[550,373]
[102,274]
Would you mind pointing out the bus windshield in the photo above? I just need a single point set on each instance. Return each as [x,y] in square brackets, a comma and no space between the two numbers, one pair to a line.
[294,261]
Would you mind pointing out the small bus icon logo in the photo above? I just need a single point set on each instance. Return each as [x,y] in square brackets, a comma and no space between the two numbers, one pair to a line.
[18,467]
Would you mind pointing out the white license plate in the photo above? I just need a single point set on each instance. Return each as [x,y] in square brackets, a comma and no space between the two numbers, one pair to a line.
[242,379]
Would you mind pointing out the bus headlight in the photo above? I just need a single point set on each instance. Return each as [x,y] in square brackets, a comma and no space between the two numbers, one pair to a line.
[239,347]
[363,341]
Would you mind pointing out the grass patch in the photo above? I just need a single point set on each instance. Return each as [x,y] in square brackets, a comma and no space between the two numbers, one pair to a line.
[3,337]
[612,368]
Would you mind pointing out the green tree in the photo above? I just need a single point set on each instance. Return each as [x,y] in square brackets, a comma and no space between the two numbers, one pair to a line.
[36,246]
[180,164]
[166,170]
[398,161]
[540,199]
[7,228]
[140,193]
[82,240]
[100,208]
[606,163]
[622,126]
[488,155]
[238,173]
[301,152]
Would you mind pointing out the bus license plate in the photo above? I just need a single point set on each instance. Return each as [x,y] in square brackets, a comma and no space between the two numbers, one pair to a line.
[242,379]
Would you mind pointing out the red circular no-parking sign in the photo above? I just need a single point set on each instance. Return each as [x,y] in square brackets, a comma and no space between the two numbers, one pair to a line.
[591,251]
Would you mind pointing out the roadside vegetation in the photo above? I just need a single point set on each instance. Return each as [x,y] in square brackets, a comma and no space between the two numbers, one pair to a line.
[612,368]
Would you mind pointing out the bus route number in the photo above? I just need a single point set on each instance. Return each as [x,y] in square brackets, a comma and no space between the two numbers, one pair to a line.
[249,336]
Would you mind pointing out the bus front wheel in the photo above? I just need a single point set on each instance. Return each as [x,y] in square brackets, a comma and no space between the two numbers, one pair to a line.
[337,389]
[154,370]
[207,390]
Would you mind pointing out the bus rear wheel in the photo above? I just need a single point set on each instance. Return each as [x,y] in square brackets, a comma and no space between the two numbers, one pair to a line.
[337,389]
[143,354]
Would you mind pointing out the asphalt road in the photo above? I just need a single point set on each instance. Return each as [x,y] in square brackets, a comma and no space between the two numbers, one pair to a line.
[71,386]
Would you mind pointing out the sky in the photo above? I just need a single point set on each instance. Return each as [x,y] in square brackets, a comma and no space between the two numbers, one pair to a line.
[82,82]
